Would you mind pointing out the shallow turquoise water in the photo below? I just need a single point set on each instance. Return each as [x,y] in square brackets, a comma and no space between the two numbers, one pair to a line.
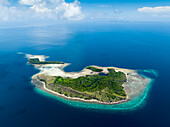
[133,104]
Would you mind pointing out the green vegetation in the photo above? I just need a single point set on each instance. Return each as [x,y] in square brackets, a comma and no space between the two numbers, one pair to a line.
[103,88]
[94,69]
[36,61]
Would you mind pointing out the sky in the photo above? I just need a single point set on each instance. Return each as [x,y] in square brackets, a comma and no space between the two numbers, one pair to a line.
[78,10]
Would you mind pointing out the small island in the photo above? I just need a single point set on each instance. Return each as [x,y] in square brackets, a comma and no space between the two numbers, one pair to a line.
[104,85]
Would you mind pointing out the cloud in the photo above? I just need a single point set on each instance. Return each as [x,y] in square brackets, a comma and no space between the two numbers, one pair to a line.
[29,2]
[160,9]
[160,12]
[55,8]
[5,10]
[35,9]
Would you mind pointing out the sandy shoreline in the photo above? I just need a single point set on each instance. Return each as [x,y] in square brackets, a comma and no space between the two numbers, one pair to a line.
[134,86]
[43,87]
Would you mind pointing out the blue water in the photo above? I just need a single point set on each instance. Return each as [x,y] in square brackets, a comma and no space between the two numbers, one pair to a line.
[143,46]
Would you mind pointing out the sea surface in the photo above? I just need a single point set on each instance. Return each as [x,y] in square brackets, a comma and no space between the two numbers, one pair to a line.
[139,46]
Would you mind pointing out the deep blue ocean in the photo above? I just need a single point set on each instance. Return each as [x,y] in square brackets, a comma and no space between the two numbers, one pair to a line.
[127,45]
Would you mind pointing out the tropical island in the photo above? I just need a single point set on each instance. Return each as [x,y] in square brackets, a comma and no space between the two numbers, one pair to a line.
[104,85]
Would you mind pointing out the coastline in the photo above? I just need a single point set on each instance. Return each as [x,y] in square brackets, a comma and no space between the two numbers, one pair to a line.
[134,80]
[42,86]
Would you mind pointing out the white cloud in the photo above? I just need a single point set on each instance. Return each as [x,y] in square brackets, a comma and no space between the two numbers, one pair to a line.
[29,2]
[35,9]
[160,9]
[71,10]
[55,8]
[5,10]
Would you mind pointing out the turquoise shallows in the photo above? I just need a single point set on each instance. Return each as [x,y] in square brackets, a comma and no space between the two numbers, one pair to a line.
[133,104]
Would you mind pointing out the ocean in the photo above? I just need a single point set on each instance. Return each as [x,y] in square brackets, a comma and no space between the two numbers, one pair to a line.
[139,46]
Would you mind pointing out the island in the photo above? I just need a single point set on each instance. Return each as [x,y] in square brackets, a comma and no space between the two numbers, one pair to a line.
[94,84]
